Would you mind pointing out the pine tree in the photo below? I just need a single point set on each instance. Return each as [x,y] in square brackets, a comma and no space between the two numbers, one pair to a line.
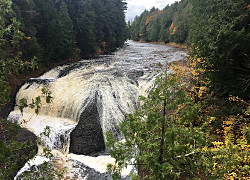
[85,27]
[61,35]
[220,41]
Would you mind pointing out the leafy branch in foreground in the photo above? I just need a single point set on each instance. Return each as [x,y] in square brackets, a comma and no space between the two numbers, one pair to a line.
[36,104]
[11,60]
[161,139]
[14,154]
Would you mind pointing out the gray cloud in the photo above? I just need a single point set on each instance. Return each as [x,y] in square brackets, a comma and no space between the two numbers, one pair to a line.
[136,7]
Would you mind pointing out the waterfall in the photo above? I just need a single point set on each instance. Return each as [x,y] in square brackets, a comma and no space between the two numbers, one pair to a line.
[92,97]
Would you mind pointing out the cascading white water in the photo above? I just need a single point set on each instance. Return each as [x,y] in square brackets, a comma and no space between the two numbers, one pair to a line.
[92,97]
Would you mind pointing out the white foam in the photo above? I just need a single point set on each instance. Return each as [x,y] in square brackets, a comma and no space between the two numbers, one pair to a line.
[99,163]
[36,161]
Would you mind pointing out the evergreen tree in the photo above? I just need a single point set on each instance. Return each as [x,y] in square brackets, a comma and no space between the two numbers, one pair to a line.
[97,25]
[85,27]
[220,45]
[169,24]
[160,138]
[154,29]
[13,154]
[25,13]
[61,35]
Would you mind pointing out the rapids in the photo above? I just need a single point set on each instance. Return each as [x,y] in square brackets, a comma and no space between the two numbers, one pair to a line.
[91,97]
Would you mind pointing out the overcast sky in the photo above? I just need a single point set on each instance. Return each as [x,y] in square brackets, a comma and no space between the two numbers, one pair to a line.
[136,7]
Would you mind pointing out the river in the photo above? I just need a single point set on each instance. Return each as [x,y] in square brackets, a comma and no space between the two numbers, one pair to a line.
[90,97]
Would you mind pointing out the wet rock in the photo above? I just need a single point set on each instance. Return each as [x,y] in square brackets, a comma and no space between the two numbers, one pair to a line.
[135,75]
[24,135]
[45,81]
[87,137]
[84,172]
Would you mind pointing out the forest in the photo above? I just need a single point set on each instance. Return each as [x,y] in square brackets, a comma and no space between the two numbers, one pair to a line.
[216,32]
[194,125]
[198,132]
[36,35]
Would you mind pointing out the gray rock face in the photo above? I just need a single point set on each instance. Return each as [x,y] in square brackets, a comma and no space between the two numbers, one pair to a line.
[85,172]
[87,137]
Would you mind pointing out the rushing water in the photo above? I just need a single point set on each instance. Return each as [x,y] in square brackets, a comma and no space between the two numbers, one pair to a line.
[90,98]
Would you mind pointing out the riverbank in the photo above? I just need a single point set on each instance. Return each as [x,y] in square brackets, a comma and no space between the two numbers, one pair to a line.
[173,44]
[16,81]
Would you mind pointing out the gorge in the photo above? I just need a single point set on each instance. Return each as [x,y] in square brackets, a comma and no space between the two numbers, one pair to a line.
[90,98]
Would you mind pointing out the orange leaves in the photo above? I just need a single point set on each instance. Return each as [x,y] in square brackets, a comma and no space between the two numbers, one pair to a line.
[148,20]
[158,13]
[1,127]
[171,27]
[179,69]
[103,43]
[174,31]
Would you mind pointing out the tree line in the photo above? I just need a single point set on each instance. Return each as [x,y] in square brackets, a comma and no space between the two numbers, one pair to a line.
[217,33]
[56,29]
[39,33]
[169,24]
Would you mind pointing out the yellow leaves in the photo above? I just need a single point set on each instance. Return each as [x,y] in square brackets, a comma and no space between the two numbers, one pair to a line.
[203,88]
[171,27]
[235,99]
[198,67]
[174,31]
[247,112]
[226,130]
[232,175]
[214,166]
[217,144]
[194,73]
[211,119]
[205,149]
[198,60]
[199,92]
[246,158]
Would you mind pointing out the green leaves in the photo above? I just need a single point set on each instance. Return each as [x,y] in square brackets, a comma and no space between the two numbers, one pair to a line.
[220,34]
[160,136]
[13,154]
[155,25]
[37,103]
